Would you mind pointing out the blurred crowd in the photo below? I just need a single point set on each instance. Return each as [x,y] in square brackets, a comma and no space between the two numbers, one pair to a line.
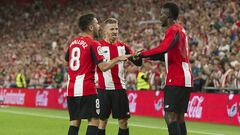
[34,39]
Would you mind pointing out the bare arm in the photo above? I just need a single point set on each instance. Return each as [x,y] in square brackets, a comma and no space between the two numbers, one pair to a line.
[104,66]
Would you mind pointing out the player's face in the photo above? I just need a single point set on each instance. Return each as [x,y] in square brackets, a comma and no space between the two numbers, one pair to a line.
[164,17]
[111,31]
[95,27]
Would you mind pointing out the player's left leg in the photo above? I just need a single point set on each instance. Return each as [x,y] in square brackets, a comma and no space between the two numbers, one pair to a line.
[172,123]
[92,114]
[123,127]
[75,119]
[172,96]
[92,126]
[183,109]
[105,110]
[182,124]
[74,127]
[120,110]
[102,126]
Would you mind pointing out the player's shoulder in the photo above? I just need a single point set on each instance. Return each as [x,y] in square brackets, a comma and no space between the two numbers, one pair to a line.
[175,27]
[95,42]
[79,38]
[102,42]
[121,43]
[90,41]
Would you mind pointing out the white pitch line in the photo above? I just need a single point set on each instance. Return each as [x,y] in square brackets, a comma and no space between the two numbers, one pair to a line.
[111,122]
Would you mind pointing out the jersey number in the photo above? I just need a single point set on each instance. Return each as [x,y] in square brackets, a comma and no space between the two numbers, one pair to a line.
[97,104]
[75,59]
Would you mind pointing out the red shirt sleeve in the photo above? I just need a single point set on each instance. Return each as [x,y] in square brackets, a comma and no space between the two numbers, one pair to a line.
[163,46]
[137,62]
[97,52]
[128,49]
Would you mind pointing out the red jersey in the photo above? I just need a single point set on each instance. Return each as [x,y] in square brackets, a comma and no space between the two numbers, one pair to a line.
[84,54]
[176,53]
[113,79]
[237,81]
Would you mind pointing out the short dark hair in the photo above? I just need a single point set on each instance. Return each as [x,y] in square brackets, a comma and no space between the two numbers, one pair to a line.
[85,20]
[173,8]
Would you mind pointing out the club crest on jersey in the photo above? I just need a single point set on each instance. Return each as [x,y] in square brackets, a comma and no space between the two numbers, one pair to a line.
[100,51]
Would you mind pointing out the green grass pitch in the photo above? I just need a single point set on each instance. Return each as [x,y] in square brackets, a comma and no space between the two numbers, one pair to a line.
[32,121]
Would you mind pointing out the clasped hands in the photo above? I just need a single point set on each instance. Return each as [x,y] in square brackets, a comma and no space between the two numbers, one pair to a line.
[137,54]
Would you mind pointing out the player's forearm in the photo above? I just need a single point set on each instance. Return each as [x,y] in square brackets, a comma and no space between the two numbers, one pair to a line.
[104,66]
[157,57]
[153,52]
[168,43]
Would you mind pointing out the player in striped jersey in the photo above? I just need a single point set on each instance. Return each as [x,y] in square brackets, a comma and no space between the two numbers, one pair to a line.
[83,54]
[179,81]
[112,83]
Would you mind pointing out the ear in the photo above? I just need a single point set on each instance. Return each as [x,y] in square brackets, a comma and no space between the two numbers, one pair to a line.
[90,27]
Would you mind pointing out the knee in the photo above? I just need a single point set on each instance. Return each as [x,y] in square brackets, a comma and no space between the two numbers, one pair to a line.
[102,123]
[123,123]
[75,123]
[170,117]
[93,122]
[181,118]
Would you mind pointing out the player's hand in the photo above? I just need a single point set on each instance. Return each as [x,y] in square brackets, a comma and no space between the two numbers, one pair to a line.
[136,55]
[138,52]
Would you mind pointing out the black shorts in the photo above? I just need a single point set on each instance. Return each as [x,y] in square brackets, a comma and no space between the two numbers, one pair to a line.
[176,98]
[115,102]
[83,107]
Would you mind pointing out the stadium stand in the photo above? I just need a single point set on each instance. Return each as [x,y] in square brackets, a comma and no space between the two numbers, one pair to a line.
[34,36]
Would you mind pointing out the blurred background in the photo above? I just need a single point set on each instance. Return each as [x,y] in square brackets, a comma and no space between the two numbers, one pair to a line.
[34,36]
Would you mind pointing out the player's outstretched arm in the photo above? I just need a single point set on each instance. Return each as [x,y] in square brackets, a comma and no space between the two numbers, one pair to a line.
[136,60]
[171,38]
[157,57]
[104,66]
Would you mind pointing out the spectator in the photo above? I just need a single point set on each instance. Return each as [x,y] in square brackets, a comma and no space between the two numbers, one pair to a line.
[143,78]
[42,34]
[20,79]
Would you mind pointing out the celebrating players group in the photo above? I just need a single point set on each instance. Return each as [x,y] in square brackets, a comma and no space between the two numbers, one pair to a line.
[88,55]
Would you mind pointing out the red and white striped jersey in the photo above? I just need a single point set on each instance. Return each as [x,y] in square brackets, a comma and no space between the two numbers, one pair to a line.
[227,78]
[217,78]
[113,79]
[175,48]
[237,81]
[84,54]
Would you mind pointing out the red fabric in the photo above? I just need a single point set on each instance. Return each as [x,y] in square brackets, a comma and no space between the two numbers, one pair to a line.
[62,2]
[238,23]
[84,54]
[214,108]
[43,98]
[176,58]
[113,79]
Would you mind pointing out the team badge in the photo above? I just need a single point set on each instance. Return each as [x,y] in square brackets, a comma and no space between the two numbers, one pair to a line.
[100,51]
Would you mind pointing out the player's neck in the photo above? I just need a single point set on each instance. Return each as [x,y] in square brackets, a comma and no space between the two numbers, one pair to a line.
[86,34]
[108,40]
[171,22]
